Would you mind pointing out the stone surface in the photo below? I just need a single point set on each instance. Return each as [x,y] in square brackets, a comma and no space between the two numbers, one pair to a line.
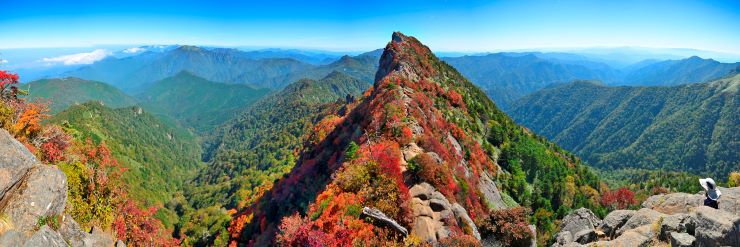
[579,220]
[564,237]
[716,227]
[464,220]
[424,228]
[490,192]
[43,193]
[680,223]
[629,238]
[422,191]
[45,237]
[585,236]
[644,216]
[673,203]
[614,221]
[682,239]
[15,161]
[683,202]
[12,238]
[381,219]
[71,232]
[98,237]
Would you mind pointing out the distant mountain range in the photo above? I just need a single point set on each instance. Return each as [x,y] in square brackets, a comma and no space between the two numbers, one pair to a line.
[257,69]
[693,127]
[506,77]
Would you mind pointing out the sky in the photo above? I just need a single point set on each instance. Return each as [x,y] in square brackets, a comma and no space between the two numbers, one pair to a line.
[465,26]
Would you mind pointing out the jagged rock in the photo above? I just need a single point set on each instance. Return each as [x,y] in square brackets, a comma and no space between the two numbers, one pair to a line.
[98,237]
[464,218]
[585,236]
[439,205]
[629,238]
[579,220]
[716,227]
[490,192]
[455,144]
[682,239]
[614,221]
[644,216]
[45,237]
[43,193]
[12,238]
[15,161]
[383,220]
[680,223]
[71,232]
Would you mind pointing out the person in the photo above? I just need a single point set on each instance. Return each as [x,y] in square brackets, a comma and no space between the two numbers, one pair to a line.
[711,192]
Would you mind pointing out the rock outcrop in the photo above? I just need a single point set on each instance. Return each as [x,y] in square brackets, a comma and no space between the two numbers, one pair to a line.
[31,193]
[678,219]
[432,212]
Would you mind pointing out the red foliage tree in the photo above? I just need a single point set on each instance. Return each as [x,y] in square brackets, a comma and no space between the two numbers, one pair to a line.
[510,225]
[619,199]
[138,227]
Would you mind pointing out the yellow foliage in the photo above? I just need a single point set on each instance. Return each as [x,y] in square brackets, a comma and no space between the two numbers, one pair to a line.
[734,179]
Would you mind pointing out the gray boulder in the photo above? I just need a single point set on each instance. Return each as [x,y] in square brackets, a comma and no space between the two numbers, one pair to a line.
[45,237]
[15,161]
[579,220]
[682,240]
[644,216]
[680,223]
[673,203]
[381,219]
[716,227]
[43,193]
[615,220]
[120,243]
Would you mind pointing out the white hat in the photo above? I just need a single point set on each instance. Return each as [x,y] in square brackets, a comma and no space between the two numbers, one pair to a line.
[711,188]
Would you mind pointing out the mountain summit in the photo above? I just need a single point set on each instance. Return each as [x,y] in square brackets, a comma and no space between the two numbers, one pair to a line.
[423,156]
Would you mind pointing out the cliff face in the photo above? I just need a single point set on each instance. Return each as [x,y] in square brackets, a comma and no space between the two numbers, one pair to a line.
[678,219]
[32,201]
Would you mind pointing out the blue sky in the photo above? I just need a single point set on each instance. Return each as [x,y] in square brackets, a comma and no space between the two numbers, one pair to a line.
[468,26]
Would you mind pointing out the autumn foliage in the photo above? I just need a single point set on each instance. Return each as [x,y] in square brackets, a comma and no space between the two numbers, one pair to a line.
[96,193]
[510,225]
[618,199]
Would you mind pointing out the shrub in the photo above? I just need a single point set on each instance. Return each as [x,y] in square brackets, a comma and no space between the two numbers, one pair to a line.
[509,225]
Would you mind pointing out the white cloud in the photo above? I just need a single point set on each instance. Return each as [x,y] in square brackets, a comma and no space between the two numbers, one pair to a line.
[79,58]
[134,50]
[2,61]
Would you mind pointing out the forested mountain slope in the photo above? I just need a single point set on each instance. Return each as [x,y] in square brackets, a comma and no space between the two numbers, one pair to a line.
[65,92]
[158,157]
[256,148]
[198,103]
[693,127]
[424,156]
